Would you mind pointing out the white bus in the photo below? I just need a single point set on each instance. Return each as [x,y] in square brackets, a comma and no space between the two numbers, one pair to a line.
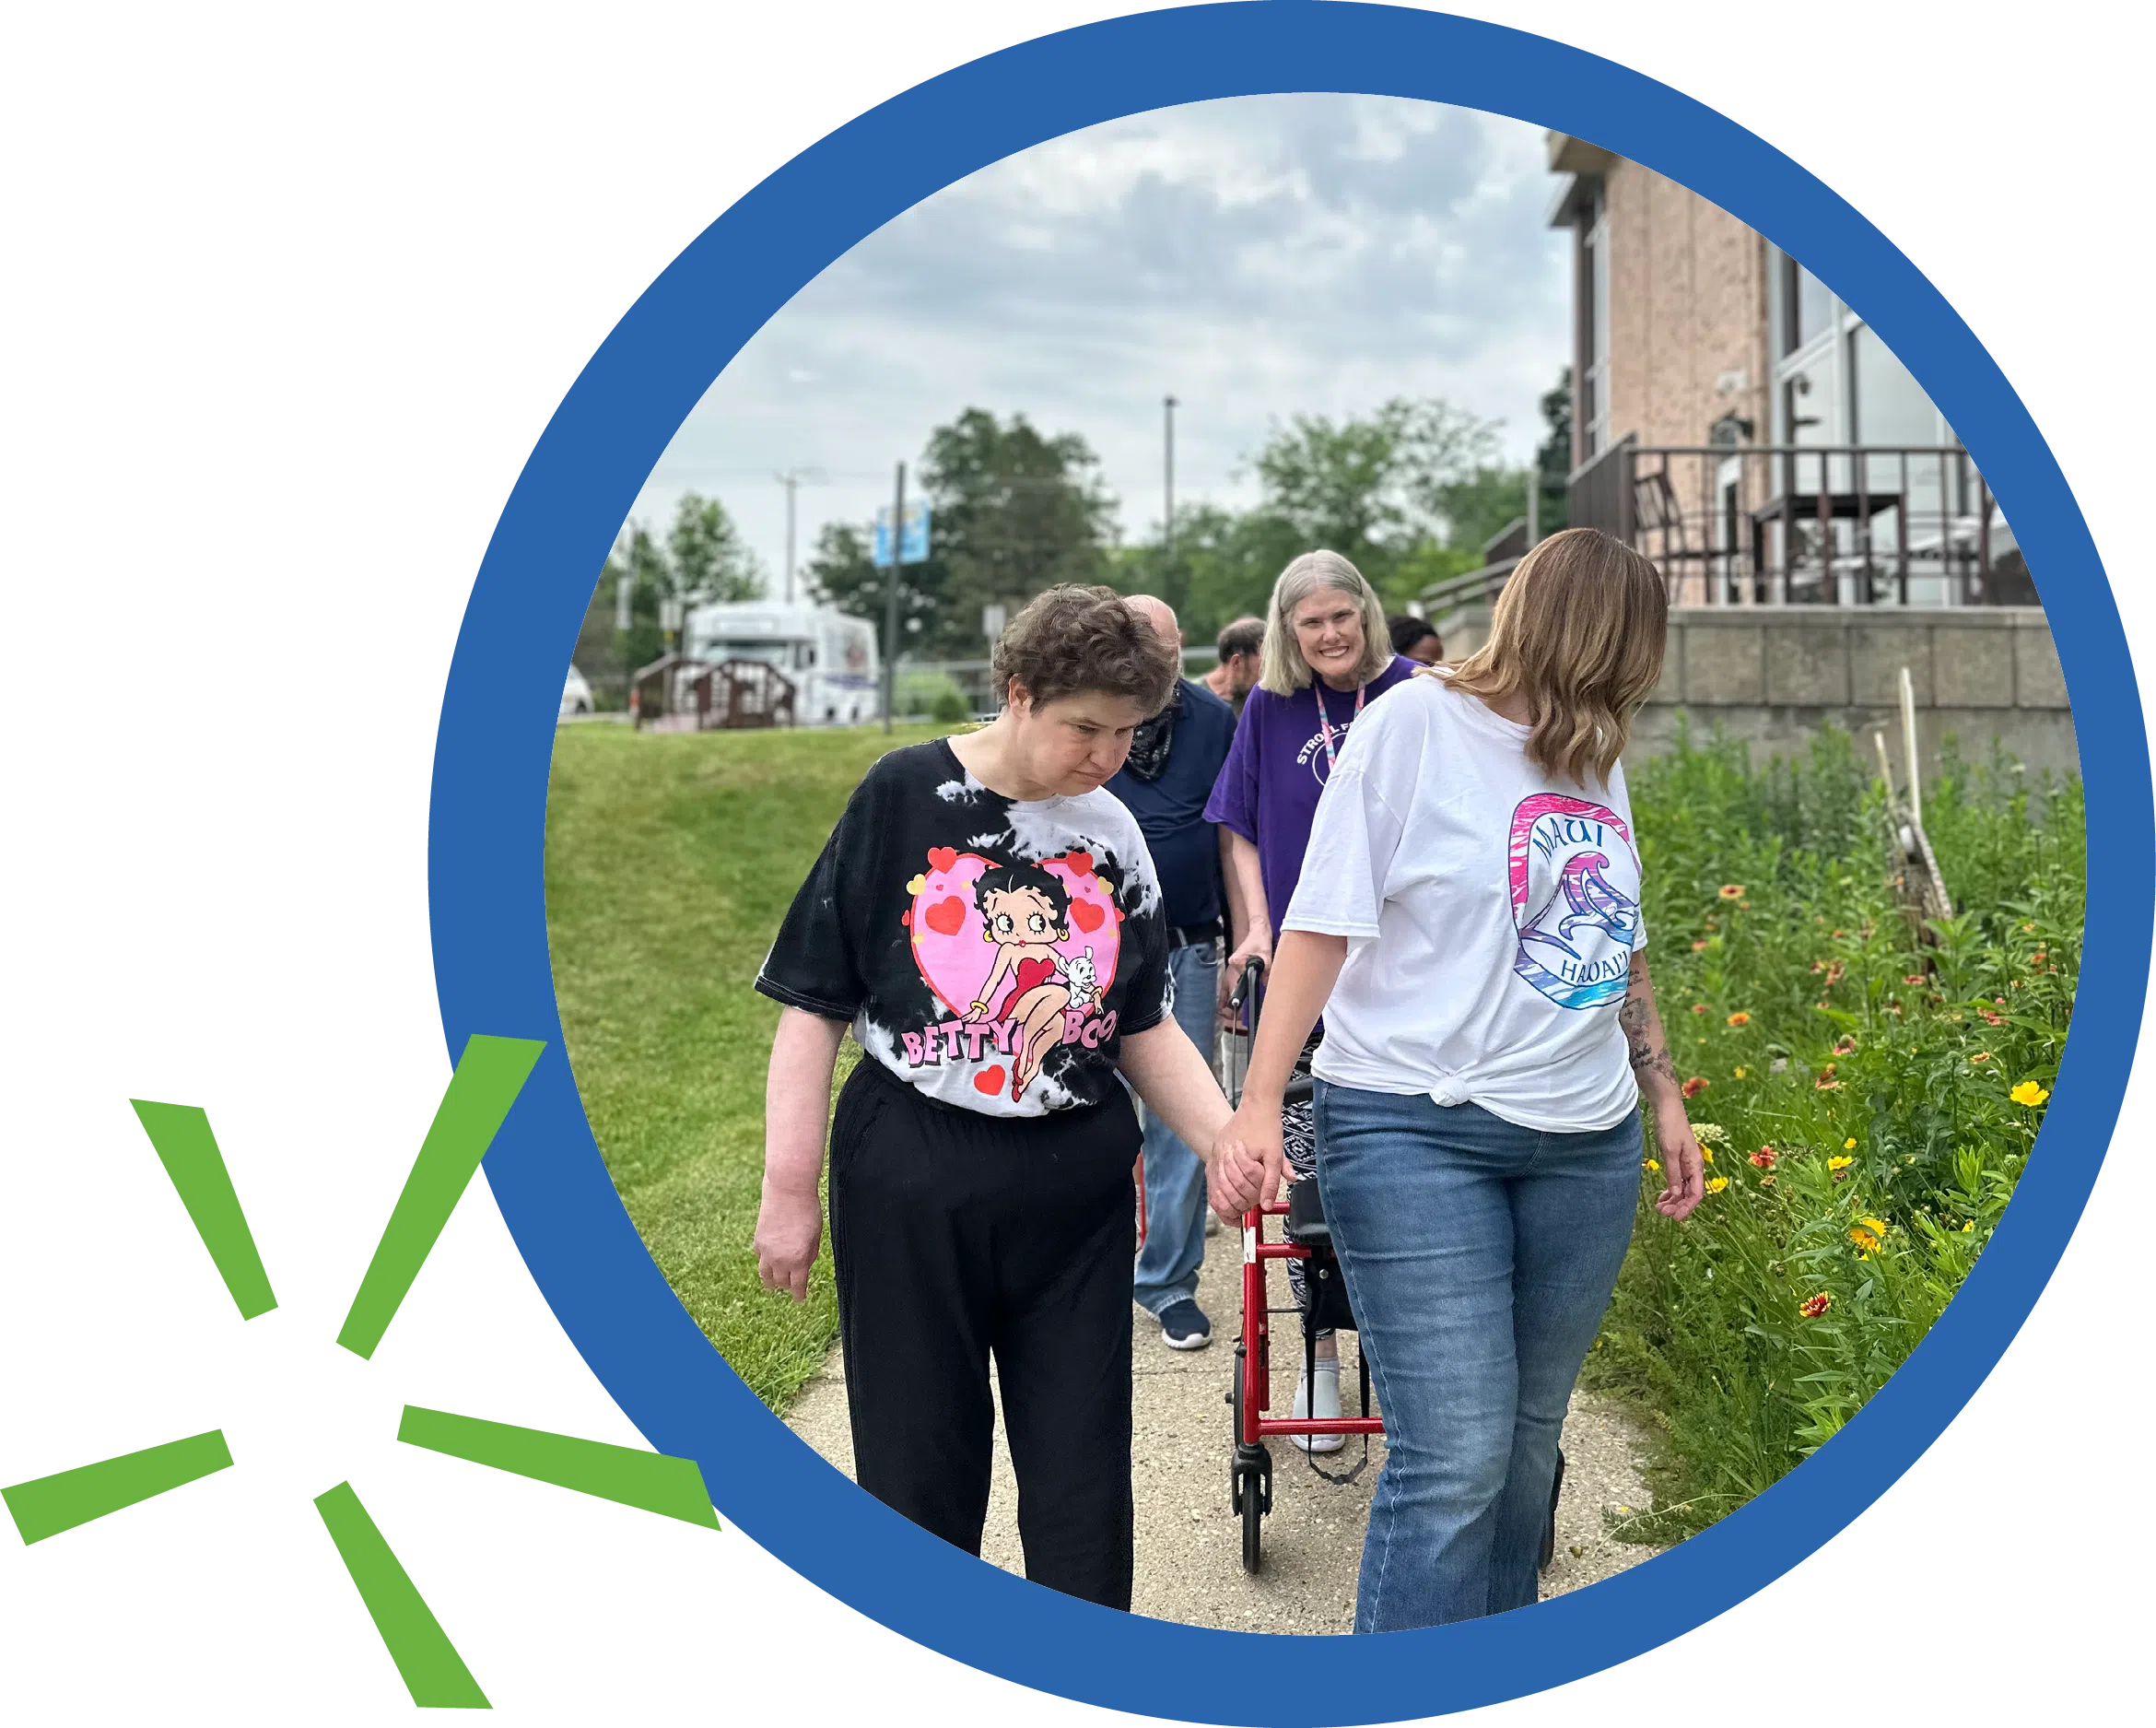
[829,656]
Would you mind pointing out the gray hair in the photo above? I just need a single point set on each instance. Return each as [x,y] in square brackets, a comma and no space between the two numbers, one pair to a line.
[1281,667]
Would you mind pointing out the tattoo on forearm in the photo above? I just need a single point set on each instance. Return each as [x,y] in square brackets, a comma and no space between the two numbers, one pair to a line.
[1642,1037]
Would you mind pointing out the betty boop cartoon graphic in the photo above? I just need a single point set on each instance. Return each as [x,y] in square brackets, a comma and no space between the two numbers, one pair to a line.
[1025,912]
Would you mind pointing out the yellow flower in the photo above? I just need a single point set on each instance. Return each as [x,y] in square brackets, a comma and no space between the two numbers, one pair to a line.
[1864,1239]
[1707,1154]
[1877,1226]
[1740,1018]
[2028,1093]
[1968,1227]
[1652,1165]
[1849,1145]
[1740,1074]
[1717,1184]
[1839,1163]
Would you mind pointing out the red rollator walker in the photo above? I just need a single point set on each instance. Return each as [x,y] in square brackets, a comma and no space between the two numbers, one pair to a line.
[1304,1236]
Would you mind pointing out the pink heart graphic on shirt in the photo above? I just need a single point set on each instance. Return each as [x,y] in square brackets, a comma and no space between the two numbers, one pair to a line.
[946,926]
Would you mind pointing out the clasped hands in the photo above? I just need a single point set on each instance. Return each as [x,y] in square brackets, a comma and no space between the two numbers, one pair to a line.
[1247,1161]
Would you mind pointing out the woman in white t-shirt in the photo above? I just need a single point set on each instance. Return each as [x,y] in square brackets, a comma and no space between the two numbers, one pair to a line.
[1475,943]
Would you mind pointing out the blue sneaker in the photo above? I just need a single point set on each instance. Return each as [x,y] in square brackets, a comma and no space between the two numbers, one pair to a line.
[1183,1326]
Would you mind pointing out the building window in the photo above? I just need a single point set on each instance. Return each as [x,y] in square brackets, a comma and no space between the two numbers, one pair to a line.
[1888,405]
[1808,309]
[1594,336]
[1837,384]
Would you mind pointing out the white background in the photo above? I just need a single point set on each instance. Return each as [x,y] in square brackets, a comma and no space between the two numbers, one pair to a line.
[287,299]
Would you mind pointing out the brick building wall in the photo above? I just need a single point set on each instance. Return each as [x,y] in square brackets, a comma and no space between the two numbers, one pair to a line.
[1687,304]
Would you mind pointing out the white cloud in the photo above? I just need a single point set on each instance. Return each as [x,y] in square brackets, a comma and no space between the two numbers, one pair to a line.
[1256,258]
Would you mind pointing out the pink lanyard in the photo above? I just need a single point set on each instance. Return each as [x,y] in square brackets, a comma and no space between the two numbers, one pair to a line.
[1325,719]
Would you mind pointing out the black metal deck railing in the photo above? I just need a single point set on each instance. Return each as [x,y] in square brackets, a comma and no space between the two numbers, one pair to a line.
[1809,524]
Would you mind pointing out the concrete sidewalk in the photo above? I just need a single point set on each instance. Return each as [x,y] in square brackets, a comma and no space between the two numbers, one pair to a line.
[1190,1543]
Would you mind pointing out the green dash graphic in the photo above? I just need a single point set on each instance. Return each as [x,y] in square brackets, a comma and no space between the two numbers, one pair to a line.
[652,1482]
[189,1152]
[433,1672]
[488,1079]
[48,1504]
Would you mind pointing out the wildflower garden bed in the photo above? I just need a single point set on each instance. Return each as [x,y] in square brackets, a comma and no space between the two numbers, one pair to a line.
[1868,1099]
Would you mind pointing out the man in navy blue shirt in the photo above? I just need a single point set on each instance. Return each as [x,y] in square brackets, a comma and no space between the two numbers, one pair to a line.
[1174,759]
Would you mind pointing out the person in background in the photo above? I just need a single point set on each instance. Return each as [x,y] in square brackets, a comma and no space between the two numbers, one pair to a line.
[1476,945]
[1174,759]
[1236,674]
[1415,639]
[1326,655]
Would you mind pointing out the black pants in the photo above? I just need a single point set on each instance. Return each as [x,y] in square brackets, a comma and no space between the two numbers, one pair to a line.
[955,1236]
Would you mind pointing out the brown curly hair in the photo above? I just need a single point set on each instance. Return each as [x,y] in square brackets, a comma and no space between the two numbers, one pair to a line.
[1073,638]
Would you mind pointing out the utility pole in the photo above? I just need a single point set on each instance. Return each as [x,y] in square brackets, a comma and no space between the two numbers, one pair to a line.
[1168,487]
[891,598]
[789,481]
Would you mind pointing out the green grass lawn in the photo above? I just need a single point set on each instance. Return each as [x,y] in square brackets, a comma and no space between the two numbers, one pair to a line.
[670,861]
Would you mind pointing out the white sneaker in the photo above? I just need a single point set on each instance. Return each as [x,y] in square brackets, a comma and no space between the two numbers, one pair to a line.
[1328,1408]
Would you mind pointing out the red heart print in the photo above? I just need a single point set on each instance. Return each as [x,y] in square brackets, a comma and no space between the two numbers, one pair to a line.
[941,858]
[945,916]
[1087,914]
[989,1080]
[1081,865]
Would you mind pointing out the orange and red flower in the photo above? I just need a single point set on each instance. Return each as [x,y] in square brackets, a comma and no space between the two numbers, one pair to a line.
[1812,1307]
[1694,1087]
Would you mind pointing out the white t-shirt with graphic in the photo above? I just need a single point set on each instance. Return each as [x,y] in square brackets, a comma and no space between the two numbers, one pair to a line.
[1491,913]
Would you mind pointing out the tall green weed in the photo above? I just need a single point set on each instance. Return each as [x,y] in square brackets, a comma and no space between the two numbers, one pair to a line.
[1868,1097]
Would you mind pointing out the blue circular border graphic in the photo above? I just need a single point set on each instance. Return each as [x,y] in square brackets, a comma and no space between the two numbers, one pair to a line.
[487,826]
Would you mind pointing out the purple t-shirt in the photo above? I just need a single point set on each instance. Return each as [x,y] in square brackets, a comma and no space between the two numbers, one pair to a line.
[1268,789]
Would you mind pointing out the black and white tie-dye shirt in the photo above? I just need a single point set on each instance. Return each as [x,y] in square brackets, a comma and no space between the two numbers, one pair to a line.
[990,951]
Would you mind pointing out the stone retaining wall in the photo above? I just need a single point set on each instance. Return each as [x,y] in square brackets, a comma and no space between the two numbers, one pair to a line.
[1773,674]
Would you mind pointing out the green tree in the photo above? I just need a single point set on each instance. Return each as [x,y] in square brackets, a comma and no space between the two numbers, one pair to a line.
[1481,506]
[840,574]
[708,559]
[1225,566]
[1554,458]
[1014,512]
[640,559]
[1380,489]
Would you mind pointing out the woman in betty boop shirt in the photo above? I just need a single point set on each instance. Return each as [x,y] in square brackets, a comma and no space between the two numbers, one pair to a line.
[985,917]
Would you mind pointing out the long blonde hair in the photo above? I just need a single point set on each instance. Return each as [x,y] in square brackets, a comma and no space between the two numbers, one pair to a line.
[1578,630]
[1280,666]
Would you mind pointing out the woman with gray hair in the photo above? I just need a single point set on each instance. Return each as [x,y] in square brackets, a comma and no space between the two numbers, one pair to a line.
[1326,654]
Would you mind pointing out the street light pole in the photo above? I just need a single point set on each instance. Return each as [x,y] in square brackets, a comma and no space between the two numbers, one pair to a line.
[792,480]
[789,481]
[1168,487]
[891,598]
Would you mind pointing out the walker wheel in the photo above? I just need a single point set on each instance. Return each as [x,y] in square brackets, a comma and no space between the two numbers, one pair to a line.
[1253,1513]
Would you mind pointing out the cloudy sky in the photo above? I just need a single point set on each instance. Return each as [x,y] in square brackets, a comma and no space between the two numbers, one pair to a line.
[1255,258]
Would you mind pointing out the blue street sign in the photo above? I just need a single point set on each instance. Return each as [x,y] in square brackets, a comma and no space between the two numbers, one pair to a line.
[913,544]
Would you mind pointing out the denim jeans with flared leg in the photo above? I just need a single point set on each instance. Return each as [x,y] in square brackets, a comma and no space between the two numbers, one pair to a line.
[1479,1257]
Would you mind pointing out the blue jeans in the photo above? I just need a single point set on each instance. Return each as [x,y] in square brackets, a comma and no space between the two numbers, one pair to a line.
[1175,1176]
[1479,1259]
